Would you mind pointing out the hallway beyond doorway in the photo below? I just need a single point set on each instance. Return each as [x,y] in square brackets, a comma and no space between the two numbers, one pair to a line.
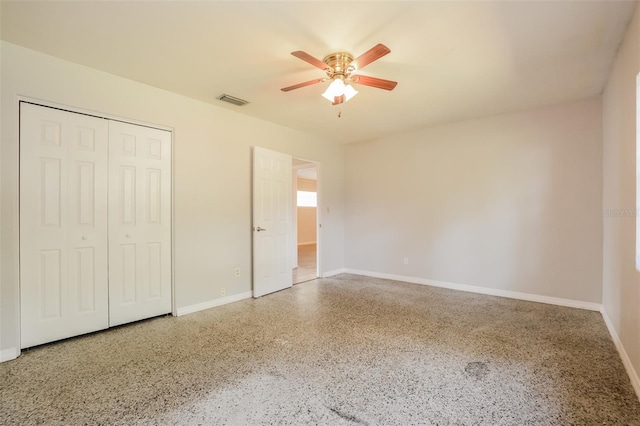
[307,264]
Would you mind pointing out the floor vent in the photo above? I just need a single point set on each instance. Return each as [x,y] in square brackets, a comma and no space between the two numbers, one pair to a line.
[232,100]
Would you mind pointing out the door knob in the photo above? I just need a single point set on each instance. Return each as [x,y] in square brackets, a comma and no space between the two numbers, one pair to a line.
[84,237]
[128,236]
[260,229]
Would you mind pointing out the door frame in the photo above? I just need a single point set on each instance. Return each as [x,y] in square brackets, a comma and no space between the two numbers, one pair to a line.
[319,204]
[49,104]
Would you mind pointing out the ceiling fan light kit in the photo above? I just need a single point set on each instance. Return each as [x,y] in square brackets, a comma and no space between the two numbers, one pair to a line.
[337,89]
[339,68]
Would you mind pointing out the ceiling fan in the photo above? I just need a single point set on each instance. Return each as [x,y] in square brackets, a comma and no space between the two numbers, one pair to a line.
[340,68]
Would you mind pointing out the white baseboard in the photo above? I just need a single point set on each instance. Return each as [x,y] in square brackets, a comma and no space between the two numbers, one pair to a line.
[633,374]
[482,290]
[212,303]
[307,243]
[332,273]
[8,354]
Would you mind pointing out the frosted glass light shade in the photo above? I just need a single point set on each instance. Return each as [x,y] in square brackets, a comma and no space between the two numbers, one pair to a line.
[349,92]
[337,88]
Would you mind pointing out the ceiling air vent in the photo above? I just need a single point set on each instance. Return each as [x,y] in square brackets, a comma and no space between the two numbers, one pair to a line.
[232,100]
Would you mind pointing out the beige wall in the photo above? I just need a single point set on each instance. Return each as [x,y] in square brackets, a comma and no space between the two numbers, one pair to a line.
[306,221]
[306,225]
[212,159]
[621,279]
[510,202]
[307,185]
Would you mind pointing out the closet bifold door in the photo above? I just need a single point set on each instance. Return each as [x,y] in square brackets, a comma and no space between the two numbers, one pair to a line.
[63,224]
[139,222]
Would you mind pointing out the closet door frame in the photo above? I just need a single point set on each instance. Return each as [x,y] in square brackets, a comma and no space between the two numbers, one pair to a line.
[49,104]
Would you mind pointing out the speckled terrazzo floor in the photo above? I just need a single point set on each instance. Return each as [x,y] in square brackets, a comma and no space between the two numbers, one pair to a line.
[339,351]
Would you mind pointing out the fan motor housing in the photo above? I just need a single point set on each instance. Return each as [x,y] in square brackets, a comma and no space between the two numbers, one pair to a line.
[339,64]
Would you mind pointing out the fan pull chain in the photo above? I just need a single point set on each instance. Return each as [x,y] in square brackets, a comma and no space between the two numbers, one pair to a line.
[339,114]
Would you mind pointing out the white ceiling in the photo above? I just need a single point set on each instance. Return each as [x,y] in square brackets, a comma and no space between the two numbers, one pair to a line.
[452,60]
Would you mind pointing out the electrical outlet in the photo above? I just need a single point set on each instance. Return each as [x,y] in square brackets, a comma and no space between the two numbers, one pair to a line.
[237,272]
[223,292]
[406,260]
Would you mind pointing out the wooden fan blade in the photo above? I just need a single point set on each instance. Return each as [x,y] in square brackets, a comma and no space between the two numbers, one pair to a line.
[310,59]
[373,54]
[374,82]
[338,100]
[299,85]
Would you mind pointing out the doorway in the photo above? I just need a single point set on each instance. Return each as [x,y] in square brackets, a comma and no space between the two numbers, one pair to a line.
[305,186]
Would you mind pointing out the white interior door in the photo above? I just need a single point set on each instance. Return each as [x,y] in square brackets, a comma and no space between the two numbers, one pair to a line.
[272,212]
[139,222]
[63,224]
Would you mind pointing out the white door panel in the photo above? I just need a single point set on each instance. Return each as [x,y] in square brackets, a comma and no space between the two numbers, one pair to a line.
[63,224]
[139,222]
[272,219]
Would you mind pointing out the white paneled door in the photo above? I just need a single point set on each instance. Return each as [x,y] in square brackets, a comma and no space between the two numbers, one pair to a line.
[272,219]
[95,223]
[139,222]
[63,224]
